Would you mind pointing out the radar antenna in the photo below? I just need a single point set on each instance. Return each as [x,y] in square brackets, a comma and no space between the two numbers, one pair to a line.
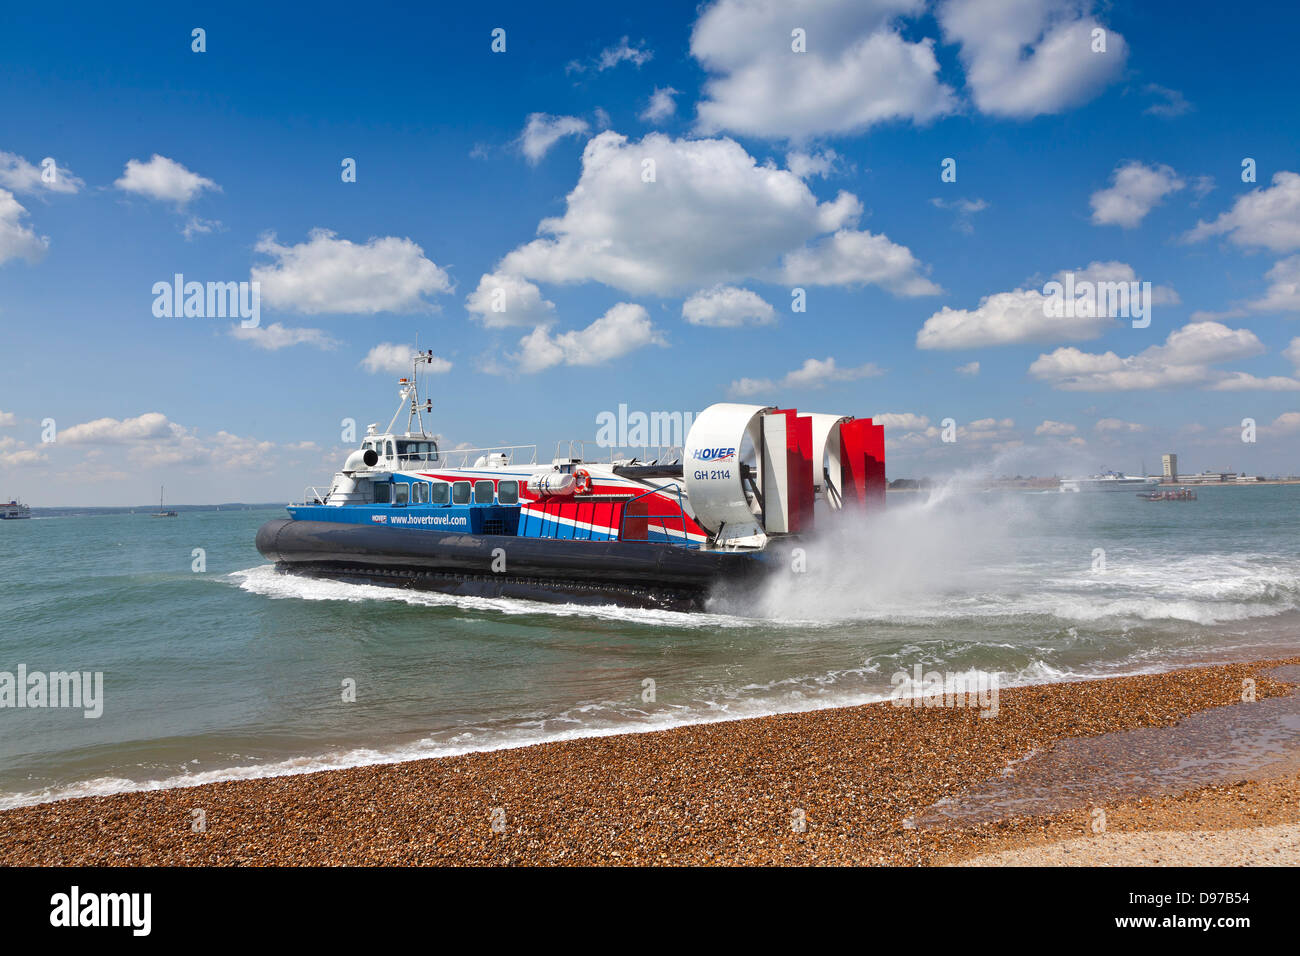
[409,390]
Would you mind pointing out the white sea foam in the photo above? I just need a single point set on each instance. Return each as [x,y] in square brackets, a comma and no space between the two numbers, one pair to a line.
[269,582]
[977,557]
[925,579]
[592,719]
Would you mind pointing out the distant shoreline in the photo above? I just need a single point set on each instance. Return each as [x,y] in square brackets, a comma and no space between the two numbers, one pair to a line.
[1011,484]
[1052,484]
[76,511]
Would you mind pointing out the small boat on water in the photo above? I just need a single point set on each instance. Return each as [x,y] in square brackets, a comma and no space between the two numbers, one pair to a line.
[14,510]
[1109,481]
[162,511]
[665,531]
[1173,494]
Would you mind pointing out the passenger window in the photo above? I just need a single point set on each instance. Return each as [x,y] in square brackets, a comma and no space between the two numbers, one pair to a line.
[460,493]
[401,489]
[441,493]
[508,492]
[382,490]
[484,492]
[419,493]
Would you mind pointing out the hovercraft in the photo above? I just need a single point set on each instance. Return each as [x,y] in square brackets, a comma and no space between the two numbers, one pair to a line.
[668,532]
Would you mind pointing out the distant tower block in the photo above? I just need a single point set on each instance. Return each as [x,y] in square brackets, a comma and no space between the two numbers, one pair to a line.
[1171,467]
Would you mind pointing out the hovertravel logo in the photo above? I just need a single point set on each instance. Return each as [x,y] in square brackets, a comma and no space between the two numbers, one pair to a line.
[714,454]
[212,300]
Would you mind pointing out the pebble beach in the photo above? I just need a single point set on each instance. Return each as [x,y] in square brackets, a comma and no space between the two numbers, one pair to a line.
[838,786]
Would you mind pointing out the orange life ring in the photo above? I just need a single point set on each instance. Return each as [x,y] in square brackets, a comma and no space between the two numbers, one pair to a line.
[584,481]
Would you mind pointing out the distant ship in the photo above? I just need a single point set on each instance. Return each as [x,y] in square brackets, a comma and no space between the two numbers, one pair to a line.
[1177,494]
[162,512]
[1109,481]
[13,510]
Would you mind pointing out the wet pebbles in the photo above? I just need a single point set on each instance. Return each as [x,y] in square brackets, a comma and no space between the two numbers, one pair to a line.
[843,786]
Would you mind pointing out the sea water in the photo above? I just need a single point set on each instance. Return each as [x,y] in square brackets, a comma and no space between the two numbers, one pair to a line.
[234,670]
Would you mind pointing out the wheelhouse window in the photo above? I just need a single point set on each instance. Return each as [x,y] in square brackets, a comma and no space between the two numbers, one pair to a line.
[389,446]
[418,450]
[484,492]
[508,492]
[460,493]
[441,494]
[383,491]
[401,492]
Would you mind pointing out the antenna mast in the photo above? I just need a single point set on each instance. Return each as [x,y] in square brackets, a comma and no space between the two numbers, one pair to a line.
[410,392]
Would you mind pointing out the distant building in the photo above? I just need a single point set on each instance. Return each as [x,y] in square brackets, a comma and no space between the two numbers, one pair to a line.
[1171,466]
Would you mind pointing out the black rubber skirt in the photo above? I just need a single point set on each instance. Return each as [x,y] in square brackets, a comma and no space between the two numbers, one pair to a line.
[630,573]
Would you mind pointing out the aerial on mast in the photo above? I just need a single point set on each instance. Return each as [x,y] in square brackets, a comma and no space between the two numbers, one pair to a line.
[410,393]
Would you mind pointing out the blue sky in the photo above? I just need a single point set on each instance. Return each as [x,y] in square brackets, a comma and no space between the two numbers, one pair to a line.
[521,171]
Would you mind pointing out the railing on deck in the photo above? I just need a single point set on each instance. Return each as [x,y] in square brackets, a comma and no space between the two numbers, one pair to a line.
[465,457]
[643,454]
[311,495]
[646,454]
[680,540]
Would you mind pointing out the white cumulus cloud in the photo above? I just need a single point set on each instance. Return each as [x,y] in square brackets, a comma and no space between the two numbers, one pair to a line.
[18,174]
[1292,353]
[396,360]
[814,373]
[1186,359]
[856,70]
[1263,217]
[503,300]
[851,257]
[1134,191]
[163,179]
[965,209]
[275,336]
[623,329]
[903,420]
[816,163]
[1117,426]
[710,215]
[1055,429]
[113,431]
[18,241]
[661,105]
[612,56]
[542,131]
[1169,103]
[1025,58]
[1007,318]
[1283,293]
[327,274]
[728,307]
